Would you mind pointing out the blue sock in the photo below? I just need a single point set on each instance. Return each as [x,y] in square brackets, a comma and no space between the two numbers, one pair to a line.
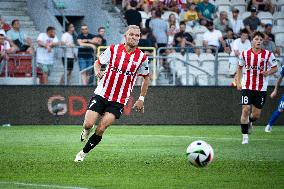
[274,117]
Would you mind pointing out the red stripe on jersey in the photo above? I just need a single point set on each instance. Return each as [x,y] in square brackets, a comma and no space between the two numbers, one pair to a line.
[254,71]
[129,80]
[248,70]
[121,76]
[113,73]
[109,66]
[260,84]
[99,62]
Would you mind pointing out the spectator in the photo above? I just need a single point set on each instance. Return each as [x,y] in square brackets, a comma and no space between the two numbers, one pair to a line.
[159,28]
[212,39]
[229,38]
[45,55]
[126,4]
[183,39]
[172,5]
[5,47]
[172,20]
[222,23]
[268,31]
[263,5]
[19,38]
[191,16]
[206,10]
[238,46]
[86,53]
[132,16]
[144,40]
[171,34]
[68,41]
[252,22]
[236,21]
[153,15]
[270,45]
[101,33]
[4,26]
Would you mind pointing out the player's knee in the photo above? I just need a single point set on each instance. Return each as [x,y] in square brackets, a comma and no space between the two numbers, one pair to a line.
[256,115]
[100,130]
[246,111]
[88,124]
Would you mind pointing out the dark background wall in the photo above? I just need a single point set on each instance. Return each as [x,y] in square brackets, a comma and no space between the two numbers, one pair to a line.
[163,105]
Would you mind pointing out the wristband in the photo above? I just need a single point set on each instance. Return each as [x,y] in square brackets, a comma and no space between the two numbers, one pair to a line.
[141,98]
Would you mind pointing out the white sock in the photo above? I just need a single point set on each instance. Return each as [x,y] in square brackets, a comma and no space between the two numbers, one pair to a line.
[245,135]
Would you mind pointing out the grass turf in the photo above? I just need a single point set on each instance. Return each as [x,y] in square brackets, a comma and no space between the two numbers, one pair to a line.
[140,157]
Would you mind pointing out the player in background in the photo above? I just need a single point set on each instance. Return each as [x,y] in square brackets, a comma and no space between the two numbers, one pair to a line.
[124,63]
[255,65]
[280,107]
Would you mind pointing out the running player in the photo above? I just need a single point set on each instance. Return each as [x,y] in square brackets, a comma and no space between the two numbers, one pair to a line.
[280,107]
[255,65]
[124,62]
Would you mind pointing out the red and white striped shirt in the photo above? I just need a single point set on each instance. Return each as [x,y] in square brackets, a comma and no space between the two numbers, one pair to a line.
[252,65]
[121,72]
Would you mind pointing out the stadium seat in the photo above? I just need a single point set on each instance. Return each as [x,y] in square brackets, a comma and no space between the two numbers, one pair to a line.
[265,17]
[166,15]
[278,29]
[191,79]
[280,5]
[205,80]
[207,62]
[176,63]
[279,39]
[144,16]
[224,80]
[223,63]
[241,5]
[278,18]
[223,5]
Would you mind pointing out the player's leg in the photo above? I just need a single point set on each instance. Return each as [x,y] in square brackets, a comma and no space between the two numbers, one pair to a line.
[258,102]
[95,139]
[275,115]
[89,121]
[244,122]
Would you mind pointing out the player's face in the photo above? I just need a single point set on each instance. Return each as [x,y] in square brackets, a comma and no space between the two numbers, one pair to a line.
[257,42]
[132,37]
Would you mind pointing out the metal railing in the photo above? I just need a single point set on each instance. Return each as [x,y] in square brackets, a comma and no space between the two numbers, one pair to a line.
[156,60]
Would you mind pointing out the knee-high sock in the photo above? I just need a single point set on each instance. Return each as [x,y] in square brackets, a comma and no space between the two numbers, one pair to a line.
[244,128]
[274,117]
[92,142]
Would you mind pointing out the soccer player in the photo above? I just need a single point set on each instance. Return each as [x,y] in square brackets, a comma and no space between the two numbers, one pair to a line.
[255,65]
[124,62]
[280,107]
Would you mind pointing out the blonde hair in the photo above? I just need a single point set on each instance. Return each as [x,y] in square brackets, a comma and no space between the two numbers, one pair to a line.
[132,27]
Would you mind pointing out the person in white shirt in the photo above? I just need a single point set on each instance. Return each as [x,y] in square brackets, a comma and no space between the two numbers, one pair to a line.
[213,39]
[70,55]
[238,46]
[45,55]
[5,48]
[236,21]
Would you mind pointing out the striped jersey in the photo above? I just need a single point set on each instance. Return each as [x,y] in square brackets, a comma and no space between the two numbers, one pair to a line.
[121,72]
[254,63]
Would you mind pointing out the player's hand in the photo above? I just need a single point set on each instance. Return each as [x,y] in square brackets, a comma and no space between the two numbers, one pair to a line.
[100,74]
[273,94]
[239,86]
[139,106]
[265,73]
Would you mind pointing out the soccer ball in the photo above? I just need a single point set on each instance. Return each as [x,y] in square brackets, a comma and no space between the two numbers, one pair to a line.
[199,153]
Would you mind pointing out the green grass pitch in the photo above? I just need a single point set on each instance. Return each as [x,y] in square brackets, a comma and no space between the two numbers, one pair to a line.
[140,157]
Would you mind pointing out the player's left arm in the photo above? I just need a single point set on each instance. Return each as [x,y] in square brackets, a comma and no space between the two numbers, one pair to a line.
[144,72]
[139,104]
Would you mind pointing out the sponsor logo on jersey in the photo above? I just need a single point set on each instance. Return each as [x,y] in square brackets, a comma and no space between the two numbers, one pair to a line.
[124,72]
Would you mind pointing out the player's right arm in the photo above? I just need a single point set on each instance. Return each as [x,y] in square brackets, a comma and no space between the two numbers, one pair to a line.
[239,71]
[277,84]
[104,58]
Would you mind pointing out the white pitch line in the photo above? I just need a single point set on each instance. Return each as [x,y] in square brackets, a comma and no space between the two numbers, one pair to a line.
[199,137]
[40,185]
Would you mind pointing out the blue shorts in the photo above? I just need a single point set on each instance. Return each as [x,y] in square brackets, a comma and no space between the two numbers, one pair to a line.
[85,63]
[281,103]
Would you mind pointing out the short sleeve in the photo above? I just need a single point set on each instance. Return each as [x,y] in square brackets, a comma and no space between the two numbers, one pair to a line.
[40,37]
[55,39]
[105,57]
[242,60]
[272,61]
[7,45]
[144,68]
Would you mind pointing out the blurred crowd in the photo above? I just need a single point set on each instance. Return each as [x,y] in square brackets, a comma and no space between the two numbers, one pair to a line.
[81,47]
